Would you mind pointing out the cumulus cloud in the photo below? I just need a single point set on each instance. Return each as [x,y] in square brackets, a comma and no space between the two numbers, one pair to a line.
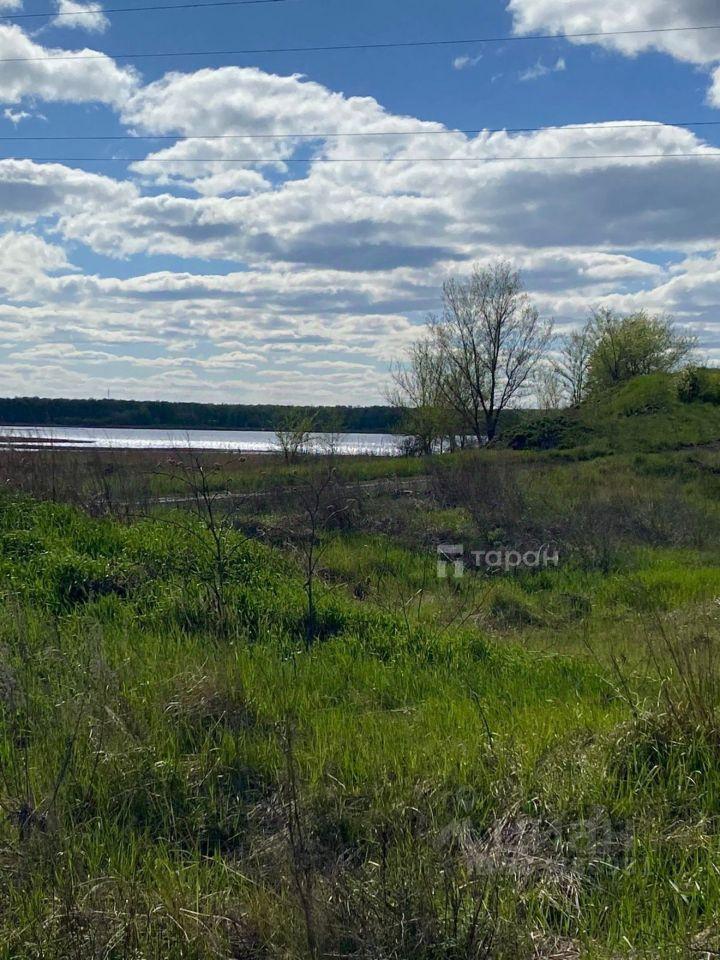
[589,16]
[200,165]
[337,245]
[26,261]
[247,100]
[156,330]
[32,191]
[362,215]
[27,73]
[297,331]
[367,215]
[80,16]
[288,328]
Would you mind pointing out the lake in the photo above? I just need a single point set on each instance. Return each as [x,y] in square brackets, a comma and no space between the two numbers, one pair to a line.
[246,441]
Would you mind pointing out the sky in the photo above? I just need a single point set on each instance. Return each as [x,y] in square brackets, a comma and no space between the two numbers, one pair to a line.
[275,227]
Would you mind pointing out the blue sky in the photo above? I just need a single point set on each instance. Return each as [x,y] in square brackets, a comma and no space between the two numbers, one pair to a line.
[296,279]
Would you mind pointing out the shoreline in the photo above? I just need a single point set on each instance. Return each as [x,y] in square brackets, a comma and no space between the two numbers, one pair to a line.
[11,440]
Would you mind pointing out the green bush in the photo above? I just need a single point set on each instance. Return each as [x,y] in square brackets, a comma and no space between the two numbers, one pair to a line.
[549,433]
[698,384]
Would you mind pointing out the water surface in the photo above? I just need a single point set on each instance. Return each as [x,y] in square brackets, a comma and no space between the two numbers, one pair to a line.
[246,441]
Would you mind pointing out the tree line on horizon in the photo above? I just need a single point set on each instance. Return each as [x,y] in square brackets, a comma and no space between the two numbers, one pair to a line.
[169,415]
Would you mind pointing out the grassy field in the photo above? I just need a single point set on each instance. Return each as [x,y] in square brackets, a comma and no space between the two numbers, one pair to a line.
[263,727]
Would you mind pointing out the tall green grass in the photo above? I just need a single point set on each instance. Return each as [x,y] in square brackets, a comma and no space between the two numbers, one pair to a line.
[507,766]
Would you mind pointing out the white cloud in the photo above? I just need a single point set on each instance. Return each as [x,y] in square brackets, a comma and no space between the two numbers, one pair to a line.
[292,334]
[198,165]
[365,216]
[590,16]
[80,16]
[30,192]
[246,100]
[7,5]
[541,69]
[714,92]
[25,263]
[16,116]
[332,264]
[236,100]
[151,333]
[465,62]
[69,79]
[371,216]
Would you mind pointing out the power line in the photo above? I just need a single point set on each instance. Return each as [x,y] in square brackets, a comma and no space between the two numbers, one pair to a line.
[343,47]
[610,125]
[154,7]
[274,160]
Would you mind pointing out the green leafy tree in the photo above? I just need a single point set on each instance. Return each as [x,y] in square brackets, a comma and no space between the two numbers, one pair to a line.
[624,347]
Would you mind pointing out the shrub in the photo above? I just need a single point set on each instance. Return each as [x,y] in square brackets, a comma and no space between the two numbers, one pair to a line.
[493,491]
[689,384]
[549,433]
[511,608]
[699,384]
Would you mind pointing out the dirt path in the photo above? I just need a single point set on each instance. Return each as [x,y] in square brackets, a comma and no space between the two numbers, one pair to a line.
[402,487]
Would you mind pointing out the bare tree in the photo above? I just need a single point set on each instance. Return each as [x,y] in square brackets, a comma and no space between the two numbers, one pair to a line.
[417,391]
[333,430]
[572,365]
[549,388]
[294,435]
[213,540]
[490,338]
[316,506]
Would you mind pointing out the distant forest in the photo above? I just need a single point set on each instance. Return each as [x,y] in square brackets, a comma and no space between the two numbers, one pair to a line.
[39,411]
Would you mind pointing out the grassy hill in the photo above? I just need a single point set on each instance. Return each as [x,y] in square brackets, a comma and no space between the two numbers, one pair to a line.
[644,415]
